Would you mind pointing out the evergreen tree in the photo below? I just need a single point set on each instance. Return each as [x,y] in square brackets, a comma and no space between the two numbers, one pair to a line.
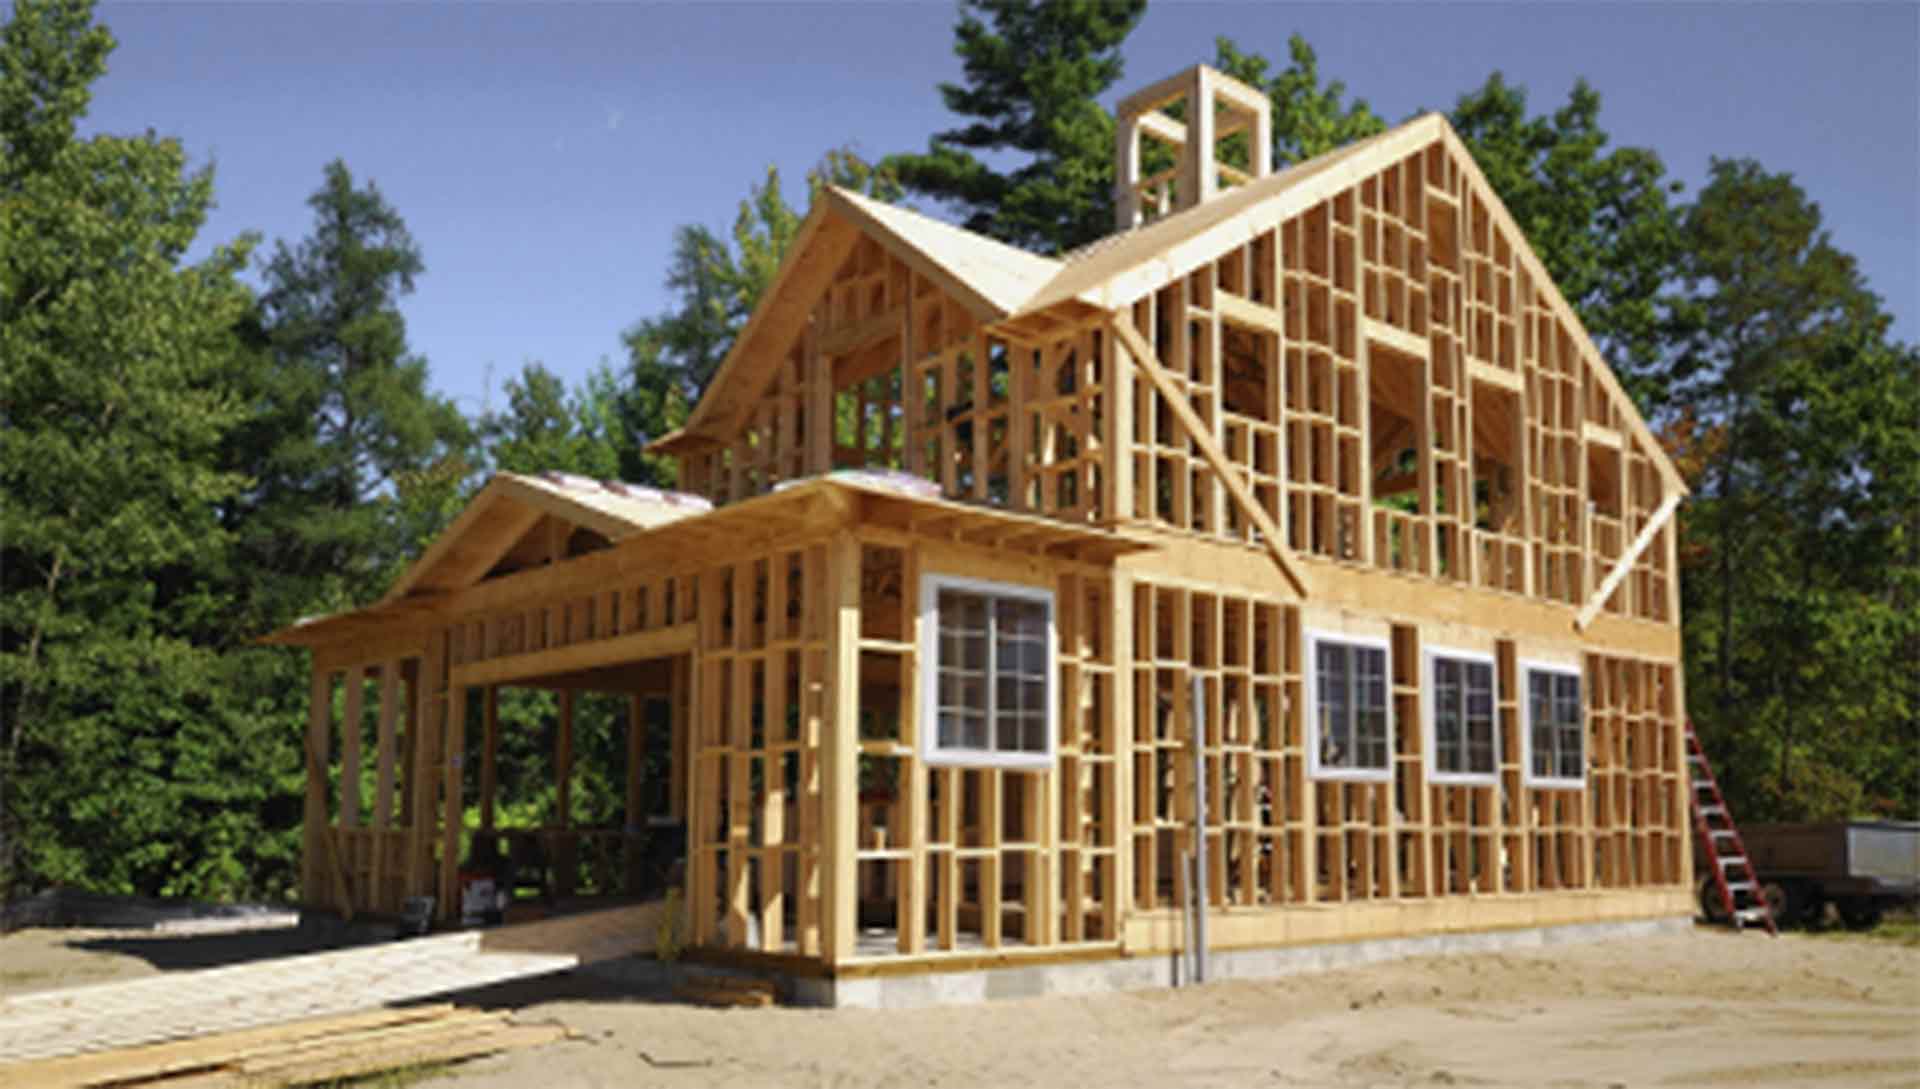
[1800,567]
[116,726]
[546,428]
[1033,72]
[1309,117]
[346,416]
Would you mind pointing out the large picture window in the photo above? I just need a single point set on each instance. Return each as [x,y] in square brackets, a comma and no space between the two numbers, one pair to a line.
[1556,727]
[1352,735]
[1464,743]
[988,669]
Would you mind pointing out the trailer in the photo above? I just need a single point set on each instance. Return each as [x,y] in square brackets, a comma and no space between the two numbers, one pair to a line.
[1861,867]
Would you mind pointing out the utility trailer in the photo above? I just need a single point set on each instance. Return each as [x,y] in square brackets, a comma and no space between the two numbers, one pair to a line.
[1861,867]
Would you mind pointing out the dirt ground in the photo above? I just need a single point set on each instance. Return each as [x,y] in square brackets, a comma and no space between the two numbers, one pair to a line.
[1705,1009]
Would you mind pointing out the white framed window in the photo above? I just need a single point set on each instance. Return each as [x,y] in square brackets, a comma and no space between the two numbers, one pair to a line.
[1556,733]
[988,653]
[1463,735]
[1348,709]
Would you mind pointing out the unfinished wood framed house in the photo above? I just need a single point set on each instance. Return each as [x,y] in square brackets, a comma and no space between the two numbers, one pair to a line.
[1295,535]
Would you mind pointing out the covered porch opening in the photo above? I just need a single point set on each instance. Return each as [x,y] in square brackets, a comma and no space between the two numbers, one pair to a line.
[578,780]
[581,784]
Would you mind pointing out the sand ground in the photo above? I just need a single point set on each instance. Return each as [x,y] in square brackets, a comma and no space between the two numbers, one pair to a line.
[1704,1009]
[1709,1008]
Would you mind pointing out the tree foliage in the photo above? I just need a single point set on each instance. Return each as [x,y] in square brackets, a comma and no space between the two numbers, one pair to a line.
[1803,644]
[1309,117]
[1032,73]
[346,416]
[112,413]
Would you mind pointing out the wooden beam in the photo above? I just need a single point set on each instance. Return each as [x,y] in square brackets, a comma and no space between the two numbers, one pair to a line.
[1397,339]
[592,654]
[351,728]
[314,815]
[1246,313]
[842,339]
[563,764]
[1604,436]
[451,758]
[1223,469]
[839,768]
[1626,562]
[490,757]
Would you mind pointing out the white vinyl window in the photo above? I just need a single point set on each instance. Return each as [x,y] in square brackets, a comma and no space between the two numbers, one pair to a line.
[1556,727]
[987,673]
[1352,726]
[1463,742]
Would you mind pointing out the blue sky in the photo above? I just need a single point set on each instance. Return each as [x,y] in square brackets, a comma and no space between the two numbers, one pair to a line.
[543,153]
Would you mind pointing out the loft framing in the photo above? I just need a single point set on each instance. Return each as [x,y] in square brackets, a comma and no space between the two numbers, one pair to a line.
[1343,402]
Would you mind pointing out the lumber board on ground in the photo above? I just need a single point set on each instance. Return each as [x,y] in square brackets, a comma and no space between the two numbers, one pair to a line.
[285,989]
[294,1054]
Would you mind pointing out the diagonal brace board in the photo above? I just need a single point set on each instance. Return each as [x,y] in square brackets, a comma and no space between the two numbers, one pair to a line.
[1625,562]
[1150,365]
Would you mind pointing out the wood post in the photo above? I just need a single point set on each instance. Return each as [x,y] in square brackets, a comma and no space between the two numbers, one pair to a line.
[314,820]
[489,756]
[452,824]
[840,769]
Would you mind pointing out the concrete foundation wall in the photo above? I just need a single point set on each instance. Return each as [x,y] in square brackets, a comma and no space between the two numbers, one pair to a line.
[1125,974]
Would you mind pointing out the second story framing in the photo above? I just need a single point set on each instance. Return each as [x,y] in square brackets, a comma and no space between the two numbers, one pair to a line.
[1358,361]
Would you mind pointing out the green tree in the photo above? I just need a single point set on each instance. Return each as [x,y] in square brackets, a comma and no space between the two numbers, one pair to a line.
[544,427]
[1800,560]
[715,283]
[116,723]
[346,416]
[1032,73]
[1600,220]
[1309,118]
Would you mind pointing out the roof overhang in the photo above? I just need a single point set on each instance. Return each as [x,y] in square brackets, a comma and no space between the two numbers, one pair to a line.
[510,504]
[805,510]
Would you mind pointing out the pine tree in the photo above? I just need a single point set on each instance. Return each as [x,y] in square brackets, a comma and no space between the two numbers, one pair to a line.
[348,417]
[1033,72]
[1309,118]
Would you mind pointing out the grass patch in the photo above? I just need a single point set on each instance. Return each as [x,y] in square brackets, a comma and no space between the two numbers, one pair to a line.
[1901,929]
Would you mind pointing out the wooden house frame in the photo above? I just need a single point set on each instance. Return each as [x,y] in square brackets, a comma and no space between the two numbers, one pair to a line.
[1324,450]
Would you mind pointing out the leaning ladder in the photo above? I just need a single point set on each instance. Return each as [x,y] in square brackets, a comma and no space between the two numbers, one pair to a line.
[1727,863]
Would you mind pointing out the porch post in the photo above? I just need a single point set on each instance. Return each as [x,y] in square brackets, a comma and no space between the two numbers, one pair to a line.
[634,820]
[489,757]
[839,765]
[453,757]
[313,866]
[562,857]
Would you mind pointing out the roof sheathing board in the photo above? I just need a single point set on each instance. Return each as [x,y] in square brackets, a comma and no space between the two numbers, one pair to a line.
[1116,271]
[990,277]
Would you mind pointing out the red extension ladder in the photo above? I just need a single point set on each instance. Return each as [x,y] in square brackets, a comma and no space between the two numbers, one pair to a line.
[1728,867]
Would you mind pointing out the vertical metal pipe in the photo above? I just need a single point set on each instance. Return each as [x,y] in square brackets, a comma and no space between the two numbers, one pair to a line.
[1198,720]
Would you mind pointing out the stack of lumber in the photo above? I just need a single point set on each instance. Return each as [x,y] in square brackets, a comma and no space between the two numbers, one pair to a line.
[255,994]
[719,990]
[300,1053]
